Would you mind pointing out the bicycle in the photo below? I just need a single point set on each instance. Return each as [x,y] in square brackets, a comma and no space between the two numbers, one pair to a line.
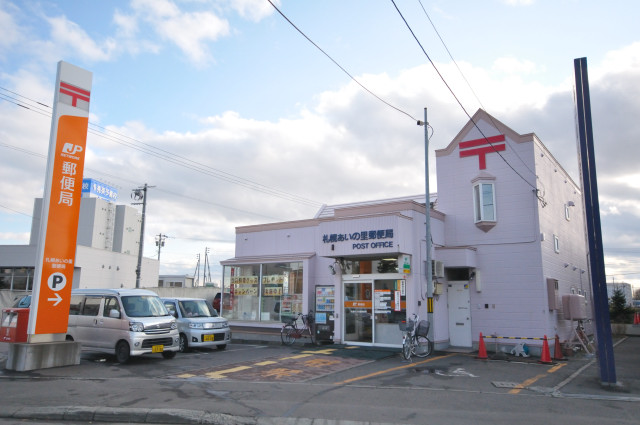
[414,337]
[290,330]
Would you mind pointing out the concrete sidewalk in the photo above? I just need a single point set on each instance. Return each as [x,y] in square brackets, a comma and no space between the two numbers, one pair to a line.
[113,415]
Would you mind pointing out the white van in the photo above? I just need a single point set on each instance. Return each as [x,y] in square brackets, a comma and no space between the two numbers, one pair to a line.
[124,322]
[198,323]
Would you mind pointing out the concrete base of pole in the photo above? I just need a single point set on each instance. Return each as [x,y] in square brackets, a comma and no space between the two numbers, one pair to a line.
[31,356]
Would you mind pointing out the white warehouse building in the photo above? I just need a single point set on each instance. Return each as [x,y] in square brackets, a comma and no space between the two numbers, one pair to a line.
[508,239]
[106,250]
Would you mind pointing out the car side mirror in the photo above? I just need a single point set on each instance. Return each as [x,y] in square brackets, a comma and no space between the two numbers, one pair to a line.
[113,313]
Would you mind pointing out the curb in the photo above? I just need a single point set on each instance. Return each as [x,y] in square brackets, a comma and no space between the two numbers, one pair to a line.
[156,416]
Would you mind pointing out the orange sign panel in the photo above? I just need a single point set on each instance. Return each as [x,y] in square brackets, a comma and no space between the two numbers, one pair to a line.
[358,304]
[62,226]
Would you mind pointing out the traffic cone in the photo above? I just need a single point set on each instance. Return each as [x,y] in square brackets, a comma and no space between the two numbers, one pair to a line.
[557,350]
[482,351]
[545,357]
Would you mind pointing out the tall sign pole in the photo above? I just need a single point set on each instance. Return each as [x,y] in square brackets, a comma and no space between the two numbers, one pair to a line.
[55,257]
[594,230]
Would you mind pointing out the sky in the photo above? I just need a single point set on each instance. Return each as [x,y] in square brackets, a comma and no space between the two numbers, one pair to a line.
[236,115]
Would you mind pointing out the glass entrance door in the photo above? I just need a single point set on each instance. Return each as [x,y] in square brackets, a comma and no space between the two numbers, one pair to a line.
[358,312]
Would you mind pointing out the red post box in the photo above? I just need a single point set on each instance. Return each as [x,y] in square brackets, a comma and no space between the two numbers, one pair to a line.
[14,325]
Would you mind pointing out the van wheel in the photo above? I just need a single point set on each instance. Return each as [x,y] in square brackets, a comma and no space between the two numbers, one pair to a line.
[122,352]
[221,347]
[184,344]
[169,354]
[68,338]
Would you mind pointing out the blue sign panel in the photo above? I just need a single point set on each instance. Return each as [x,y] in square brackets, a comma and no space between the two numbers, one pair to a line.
[91,187]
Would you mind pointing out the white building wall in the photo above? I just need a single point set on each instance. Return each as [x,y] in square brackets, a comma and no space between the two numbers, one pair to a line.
[569,264]
[512,300]
[107,269]
[279,241]
[127,230]
[97,266]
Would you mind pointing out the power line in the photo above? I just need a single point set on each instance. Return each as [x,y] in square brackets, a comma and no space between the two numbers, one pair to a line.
[340,66]
[469,84]
[461,105]
[168,156]
[136,183]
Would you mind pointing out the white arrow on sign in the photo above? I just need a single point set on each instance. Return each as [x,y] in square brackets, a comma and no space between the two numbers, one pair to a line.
[57,299]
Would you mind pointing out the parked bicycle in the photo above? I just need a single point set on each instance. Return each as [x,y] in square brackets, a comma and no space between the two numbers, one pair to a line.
[292,329]
[414,337]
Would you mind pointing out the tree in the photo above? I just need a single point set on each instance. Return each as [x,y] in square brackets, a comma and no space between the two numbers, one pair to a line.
[619,310]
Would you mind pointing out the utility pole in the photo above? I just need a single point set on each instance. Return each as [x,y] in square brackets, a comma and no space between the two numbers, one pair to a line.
[140,194]
[206,267]
[429,293]
[196,273]
[160,243]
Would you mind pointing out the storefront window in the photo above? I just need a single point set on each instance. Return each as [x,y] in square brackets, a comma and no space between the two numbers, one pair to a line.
[262,292]
[281,290]
[241,300]
[17,278]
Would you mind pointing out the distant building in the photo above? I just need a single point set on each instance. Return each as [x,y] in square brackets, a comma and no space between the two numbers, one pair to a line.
[175,281]
[626,289]
[106,252]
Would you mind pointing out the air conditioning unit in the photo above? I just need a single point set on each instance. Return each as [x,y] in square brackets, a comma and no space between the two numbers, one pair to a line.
[437,269]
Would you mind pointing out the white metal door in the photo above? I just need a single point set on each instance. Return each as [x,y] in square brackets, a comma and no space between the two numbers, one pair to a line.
[459,314]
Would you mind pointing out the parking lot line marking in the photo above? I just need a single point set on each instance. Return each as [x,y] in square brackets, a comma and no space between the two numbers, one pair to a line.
[325,351]
[528,382]
[382,372]
[220,373]
[299,356]
[265,363]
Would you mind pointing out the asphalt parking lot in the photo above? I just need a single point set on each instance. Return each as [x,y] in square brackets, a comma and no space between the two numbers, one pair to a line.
[260,382]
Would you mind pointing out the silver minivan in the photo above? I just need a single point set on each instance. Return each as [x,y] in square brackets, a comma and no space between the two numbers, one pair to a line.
[124,322]
[198,323]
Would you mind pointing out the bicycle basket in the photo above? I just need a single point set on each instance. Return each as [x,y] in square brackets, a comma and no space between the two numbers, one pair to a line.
[406,326]
[423,328]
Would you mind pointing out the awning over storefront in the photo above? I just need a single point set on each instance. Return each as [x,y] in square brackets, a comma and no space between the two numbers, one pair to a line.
[457,256]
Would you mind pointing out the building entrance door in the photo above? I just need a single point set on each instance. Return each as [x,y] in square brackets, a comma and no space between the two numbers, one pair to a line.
[358,312]
[459,314]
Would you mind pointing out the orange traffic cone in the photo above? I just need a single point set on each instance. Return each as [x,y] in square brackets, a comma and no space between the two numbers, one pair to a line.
[482,351]
[557,350]
[545,357]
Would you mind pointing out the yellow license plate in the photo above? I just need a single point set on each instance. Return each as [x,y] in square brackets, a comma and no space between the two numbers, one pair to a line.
[207,338]
[157,348]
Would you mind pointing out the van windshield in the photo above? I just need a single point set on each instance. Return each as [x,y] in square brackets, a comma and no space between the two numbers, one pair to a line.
[143,306]
[196,308]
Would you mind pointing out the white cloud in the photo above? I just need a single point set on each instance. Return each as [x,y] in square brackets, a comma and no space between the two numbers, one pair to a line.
[518,2]
[11,33]
[254,10]
[189,31]
[515,66]
[65,33]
